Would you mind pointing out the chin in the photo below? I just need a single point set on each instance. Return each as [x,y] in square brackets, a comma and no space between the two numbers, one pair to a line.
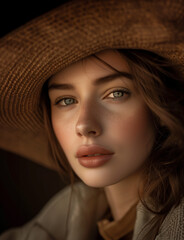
[100,178]
[99,183]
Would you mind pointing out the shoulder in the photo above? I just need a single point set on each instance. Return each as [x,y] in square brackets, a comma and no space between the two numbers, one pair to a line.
[173,225]
[75,206]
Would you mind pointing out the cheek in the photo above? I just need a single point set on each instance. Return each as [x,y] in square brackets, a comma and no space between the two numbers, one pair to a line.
[62,130]
[133,126]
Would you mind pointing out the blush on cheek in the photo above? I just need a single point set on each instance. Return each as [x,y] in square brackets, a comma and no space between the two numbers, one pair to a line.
[135,126]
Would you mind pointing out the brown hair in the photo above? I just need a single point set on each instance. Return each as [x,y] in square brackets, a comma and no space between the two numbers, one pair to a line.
[161,86]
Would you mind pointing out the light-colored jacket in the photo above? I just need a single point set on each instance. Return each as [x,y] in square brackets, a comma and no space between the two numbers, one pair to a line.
[80,211]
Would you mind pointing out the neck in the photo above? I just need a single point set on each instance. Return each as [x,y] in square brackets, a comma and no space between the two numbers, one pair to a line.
[122,195]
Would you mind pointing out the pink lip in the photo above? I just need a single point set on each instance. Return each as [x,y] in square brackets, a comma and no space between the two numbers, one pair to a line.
[91,149]
[96,161]
[93,161]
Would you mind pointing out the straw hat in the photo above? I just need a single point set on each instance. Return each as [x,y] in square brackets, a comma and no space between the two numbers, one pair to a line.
[35,51]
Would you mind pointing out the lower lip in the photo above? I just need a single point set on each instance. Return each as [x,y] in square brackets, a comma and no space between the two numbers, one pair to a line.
[96,161]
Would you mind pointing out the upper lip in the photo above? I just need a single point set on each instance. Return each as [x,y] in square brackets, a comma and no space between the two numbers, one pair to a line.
[92,149]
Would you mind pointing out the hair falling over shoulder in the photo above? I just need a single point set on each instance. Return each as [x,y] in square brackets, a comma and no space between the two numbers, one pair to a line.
[161,86]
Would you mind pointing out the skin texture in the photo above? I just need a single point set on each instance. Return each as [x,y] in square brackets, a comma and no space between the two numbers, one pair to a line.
[119,121]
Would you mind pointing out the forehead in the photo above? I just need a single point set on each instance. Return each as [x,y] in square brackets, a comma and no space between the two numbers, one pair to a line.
[93,68]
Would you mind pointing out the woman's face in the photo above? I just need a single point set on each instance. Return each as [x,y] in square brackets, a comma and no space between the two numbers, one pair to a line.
[88,110]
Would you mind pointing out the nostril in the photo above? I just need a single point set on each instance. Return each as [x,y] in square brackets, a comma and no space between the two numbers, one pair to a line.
[93,132]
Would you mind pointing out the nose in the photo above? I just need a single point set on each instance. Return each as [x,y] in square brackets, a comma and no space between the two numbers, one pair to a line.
[89,122]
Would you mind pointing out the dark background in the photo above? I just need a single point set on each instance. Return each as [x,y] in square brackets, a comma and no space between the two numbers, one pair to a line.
[15,13]
[24,186]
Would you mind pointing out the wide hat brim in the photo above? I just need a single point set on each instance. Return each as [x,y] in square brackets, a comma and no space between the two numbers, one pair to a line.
[37,50]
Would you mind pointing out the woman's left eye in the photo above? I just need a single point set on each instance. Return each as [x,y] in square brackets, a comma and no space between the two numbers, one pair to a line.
[118,93]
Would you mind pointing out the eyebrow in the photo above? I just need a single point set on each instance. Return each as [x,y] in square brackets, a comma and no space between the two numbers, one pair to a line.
[97,82]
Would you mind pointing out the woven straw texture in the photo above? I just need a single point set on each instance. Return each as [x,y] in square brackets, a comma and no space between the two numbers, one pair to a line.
[34,52]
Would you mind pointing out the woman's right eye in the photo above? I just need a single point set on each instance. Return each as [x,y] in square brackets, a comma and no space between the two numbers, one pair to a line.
[65,101]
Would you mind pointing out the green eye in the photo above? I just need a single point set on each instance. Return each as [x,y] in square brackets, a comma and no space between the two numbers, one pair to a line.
[119,93]
[66,101]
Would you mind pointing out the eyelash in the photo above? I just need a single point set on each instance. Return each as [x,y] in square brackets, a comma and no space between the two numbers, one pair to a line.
[124,91]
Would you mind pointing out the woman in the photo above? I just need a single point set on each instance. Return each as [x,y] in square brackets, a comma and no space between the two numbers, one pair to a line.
[121,103]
